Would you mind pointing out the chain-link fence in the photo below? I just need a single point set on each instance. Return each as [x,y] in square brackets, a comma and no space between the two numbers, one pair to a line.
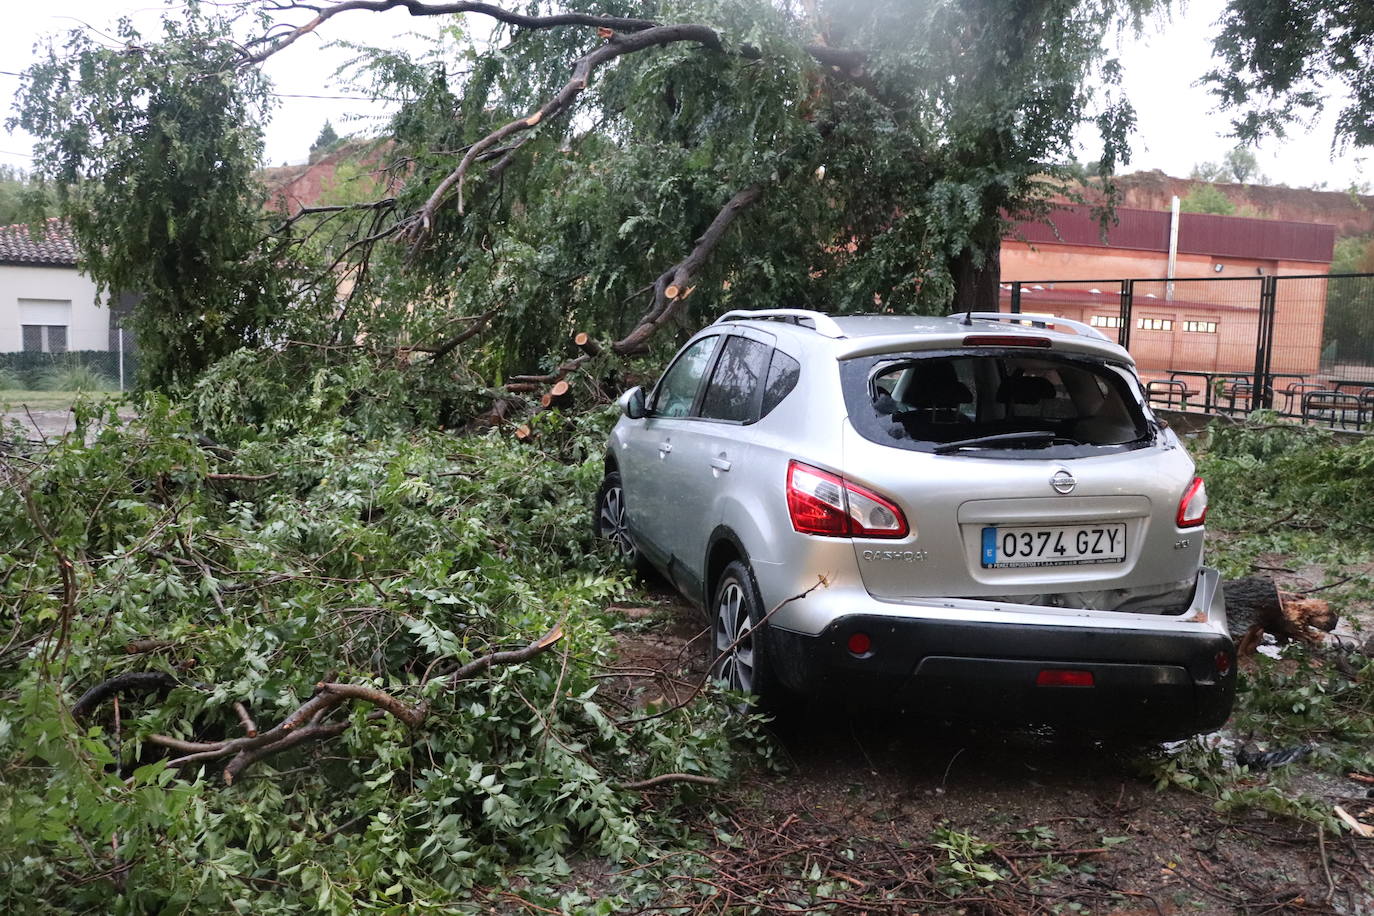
[1301,345]
[76,370]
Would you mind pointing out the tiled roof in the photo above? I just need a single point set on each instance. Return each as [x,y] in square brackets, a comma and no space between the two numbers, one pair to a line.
[53,247]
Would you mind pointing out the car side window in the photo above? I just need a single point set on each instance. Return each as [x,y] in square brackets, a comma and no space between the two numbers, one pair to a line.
[782,378]
[732,393]
[677,390]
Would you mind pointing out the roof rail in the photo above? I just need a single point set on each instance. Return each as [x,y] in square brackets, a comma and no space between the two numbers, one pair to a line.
[1047,322]
[823,323]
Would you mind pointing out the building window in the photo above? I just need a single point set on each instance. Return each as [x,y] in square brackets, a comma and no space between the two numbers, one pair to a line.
[44,323]
[1155,324]
[45,338]
[1105,321]
[1200,327]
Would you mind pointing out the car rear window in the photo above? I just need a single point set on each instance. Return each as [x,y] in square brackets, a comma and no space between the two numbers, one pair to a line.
[993,404]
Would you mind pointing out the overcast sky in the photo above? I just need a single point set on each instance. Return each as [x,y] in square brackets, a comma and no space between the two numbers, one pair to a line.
[1177,124]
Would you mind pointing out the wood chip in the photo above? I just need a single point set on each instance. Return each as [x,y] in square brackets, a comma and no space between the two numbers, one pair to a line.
[1356,827]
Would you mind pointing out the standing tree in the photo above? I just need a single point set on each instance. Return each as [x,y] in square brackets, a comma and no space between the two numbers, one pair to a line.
[324,142]
[594,167]
[152,148]
[1243,166]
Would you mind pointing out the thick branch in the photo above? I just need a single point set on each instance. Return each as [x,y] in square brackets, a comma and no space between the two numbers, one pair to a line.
[478,665]
[617,46]
[247,758]
[416,8]
[410,715]
[304,724]
[141,681]
[674,284]
[478,325]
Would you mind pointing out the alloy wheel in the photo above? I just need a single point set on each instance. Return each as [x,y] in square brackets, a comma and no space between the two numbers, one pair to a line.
[611,521]
[734,639]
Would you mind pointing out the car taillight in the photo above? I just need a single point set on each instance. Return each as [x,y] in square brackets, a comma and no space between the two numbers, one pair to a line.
[1192,508]
[823,503]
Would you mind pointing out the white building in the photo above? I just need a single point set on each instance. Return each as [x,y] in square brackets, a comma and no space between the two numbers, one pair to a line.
[46,304]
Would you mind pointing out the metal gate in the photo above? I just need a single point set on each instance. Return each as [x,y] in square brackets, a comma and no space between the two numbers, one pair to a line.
[1301,345]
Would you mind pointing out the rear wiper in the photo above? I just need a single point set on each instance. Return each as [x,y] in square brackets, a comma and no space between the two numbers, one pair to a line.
[1047,435]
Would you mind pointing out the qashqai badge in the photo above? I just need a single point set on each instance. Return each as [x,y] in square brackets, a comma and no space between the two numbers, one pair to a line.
[1063,482]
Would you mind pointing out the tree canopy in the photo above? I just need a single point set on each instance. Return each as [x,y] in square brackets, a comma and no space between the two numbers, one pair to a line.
[602,167]
[1239,165]
[1282,61]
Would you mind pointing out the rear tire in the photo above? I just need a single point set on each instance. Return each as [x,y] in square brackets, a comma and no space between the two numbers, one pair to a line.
[610,522]
[740,655]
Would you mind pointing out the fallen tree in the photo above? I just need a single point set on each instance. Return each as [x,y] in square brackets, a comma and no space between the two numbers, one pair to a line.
[241,658]
[579,170]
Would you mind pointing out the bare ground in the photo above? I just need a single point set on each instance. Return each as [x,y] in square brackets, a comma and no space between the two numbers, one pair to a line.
[876,812]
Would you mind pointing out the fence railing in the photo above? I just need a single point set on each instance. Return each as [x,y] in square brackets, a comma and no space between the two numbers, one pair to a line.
[1302,345]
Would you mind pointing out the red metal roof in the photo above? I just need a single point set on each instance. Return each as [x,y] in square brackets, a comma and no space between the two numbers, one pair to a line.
[1198,233]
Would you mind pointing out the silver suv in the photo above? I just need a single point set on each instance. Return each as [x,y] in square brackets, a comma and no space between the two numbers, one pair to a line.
[1000,523]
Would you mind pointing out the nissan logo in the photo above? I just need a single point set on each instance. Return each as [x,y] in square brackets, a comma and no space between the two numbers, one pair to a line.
[1063,482]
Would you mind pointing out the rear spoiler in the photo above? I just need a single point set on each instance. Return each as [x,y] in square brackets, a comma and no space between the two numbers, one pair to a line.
[1047,323]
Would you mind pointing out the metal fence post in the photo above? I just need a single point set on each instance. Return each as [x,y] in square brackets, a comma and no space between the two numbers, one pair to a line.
[1016,297]
[1264,343]
[1123,333]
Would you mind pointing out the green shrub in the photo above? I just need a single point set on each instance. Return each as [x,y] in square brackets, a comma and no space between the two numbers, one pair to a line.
[10,381]
[74,377]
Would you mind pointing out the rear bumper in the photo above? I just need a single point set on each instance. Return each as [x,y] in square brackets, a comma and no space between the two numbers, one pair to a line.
[1162,682]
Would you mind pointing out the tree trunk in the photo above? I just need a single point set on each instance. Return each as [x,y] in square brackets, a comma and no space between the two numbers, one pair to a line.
[976,288]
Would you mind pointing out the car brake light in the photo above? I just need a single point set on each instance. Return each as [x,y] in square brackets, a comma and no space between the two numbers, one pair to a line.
[1063,677]
[823,503]
[1005,340]
[1192,508]
[1223,662]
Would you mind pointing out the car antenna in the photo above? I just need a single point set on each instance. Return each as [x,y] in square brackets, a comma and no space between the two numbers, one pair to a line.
[968,316]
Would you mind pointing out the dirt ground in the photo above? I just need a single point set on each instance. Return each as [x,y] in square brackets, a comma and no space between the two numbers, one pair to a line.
[873,811]
[44,423]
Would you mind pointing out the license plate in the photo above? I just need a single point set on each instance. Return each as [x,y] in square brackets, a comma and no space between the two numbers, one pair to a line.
[1060,545]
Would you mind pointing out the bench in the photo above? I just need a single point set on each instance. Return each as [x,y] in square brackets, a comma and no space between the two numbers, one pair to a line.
[1333,407]
[1293,394]
[1236,389]
[1169,392]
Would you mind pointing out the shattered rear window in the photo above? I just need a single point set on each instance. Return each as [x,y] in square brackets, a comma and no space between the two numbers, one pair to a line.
[993,403]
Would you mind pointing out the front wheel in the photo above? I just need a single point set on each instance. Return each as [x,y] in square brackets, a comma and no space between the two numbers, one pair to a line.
[739,638]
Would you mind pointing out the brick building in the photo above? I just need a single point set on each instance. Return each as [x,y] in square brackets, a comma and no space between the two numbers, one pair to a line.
[1208,318]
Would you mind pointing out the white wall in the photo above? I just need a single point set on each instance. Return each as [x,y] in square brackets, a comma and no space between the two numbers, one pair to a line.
[90,322]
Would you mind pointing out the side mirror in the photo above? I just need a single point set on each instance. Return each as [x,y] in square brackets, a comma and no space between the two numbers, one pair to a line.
[632,404]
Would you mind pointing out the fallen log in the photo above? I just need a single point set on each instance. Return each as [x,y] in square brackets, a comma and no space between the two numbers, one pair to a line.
[558,395]
[1255,606]
[584,342]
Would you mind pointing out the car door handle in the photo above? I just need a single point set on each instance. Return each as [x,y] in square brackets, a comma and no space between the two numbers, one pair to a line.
[720,464]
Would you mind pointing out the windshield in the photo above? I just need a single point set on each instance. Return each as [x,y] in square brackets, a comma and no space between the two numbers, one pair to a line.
[993,403]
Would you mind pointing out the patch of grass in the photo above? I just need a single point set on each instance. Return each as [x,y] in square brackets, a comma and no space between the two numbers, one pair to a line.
[47,400]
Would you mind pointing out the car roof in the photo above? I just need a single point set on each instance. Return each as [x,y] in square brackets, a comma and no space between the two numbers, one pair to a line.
[851,336]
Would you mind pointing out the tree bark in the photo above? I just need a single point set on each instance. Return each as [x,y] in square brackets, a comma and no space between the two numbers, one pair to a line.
[977,287]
